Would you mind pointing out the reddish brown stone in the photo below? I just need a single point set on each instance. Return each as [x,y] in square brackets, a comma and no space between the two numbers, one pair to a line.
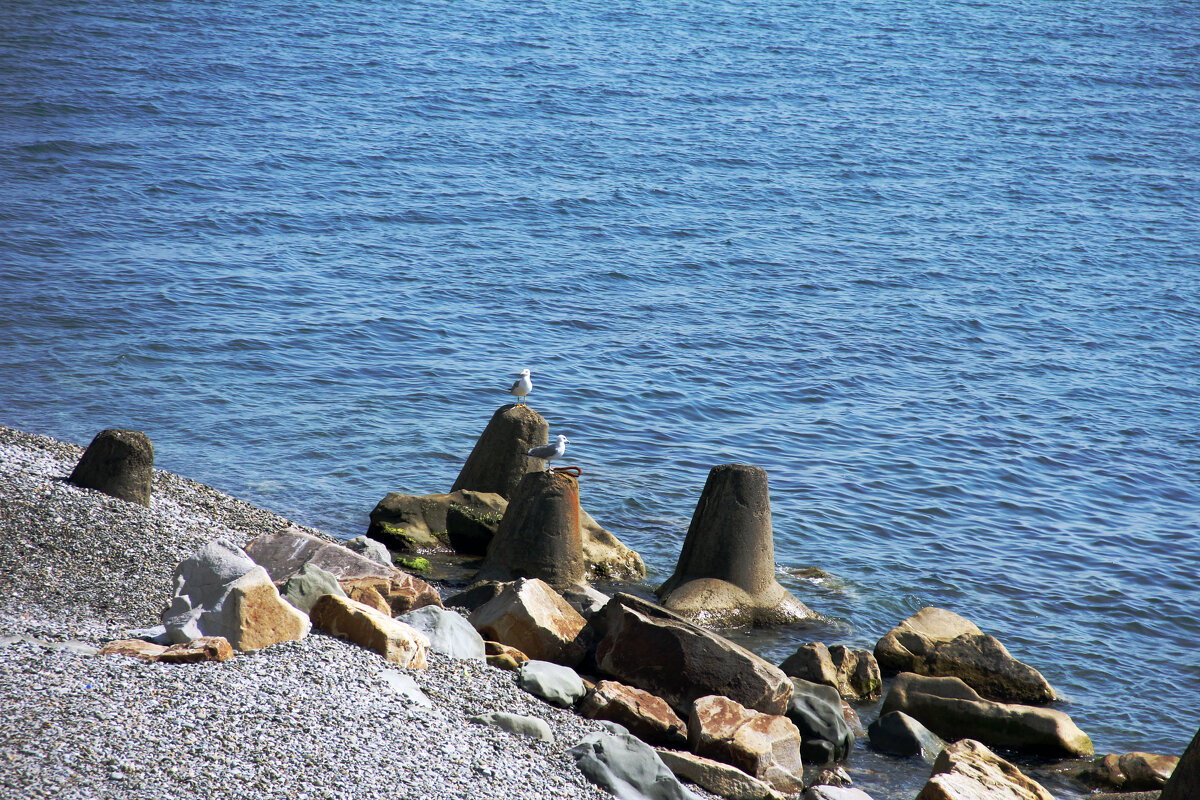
[765,746]
[646,716]
[370,596]
[532,617]
[137,648]
[206,648]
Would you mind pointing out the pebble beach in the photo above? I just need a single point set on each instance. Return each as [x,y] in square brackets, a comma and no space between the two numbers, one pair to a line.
[310,719]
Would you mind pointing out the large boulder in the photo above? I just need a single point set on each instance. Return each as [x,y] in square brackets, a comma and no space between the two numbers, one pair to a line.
[539,536]
[723,780]
[941,643]
[119,463]
[498,462]
[654,649]
[627,767]
[365,626]
[725,575]
[764,746]
[898,734]
[953,710]
[1185,780]
[1130,772]
[308,586]
[416,523]
[449,632]
[967,770]
[220,591]
[530,616]
[606,557]
[854,673]
[644,715]
[471,530]
[285,553]
[816,711]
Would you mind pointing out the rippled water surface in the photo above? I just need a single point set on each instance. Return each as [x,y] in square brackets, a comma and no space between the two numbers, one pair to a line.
[932,265]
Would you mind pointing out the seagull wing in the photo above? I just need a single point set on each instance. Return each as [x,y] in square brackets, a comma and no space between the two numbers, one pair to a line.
[543,451]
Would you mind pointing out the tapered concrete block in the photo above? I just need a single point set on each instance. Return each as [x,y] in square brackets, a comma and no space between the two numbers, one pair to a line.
[539,536]
[498,461]
[119,463]
[726,570]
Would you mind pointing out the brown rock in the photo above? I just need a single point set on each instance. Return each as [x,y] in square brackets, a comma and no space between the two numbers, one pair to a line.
[765,746]
[504,657]
[1129,772]
[533,618]
[905,647]
[416,523]
[206,648]
[953,710]
[854,673]
[966,770]
[137,648]
[369,596]
[255,616]
[649,647]
[394,640]
[720,779]
[498,462]
[644,715]
[119,463]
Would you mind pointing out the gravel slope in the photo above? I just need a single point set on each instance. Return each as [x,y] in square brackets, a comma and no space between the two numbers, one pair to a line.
[308,719]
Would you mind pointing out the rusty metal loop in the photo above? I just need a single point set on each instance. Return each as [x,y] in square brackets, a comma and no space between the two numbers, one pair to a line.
[573,471]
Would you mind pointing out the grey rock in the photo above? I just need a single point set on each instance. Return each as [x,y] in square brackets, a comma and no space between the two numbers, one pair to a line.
[201,583]
[416,523]
[156,634]
[816,710]
[585,599]
[449,632]
[119,463]
[532,727]
[308,585]
[898,734]
[369,548]
[405,686]
[627,767]
[835,793]
[554,683]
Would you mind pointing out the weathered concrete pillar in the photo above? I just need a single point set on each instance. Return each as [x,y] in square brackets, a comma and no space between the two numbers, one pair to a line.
[539,536]
[726,570]
[119,463]
[498,461]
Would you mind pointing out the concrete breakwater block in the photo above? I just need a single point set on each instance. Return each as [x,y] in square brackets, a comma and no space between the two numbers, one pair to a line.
[726,571]
[539,536]
[119,463]
[498,461]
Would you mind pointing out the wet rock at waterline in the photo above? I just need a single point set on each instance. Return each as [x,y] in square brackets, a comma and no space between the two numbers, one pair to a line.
[416,523]
[726,571]
[967,770]
[854,673]
[119,463]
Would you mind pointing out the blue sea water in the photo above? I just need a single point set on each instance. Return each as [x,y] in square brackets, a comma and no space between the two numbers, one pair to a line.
[934,266]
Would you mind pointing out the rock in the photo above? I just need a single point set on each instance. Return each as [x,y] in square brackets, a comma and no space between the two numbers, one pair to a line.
[532,617]
[285,553]
[502,656]
[448,632]
[119,463]
[816,711]
[644,715]
[953,710]
[967,770]
[627,767]
[136,648]
[539,536]
[394,640]
[606,557]
[646,646]
[369,548]
[221,592]
[898,734]
[416,523]
[206,648]
[726,571]
[835,793]
[405,686]
[765,746]
[368,596]
[1131,772]
[854,673]
[476,594]
[532,727]
[836,777]
[554,683]
[156,633]
[1155,794]
[720,779]
[585,599]
[1185,780]
[306,586]
[498,462]
[471,530]
[941,643]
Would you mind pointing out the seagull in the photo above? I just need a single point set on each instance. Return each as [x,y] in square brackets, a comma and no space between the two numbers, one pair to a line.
[521,387]
[550,451]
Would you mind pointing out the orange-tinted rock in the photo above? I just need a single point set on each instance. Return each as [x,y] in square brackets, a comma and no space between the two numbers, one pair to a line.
[370,596]
[765,746]
[206,648]
[533,618]
[137,648]
[966,770]
[365,626]
[644,715]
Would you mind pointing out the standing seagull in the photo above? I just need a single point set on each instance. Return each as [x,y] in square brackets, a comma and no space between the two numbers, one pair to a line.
[521,387]
[550,451]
